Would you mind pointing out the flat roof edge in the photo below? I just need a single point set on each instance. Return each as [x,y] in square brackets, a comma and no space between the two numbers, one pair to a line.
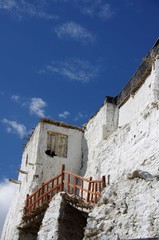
[60,124]
[139,76]
[134,83]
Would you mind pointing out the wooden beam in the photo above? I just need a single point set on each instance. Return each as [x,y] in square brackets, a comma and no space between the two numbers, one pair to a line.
[31,164]
[15,181]
[26,139]
[21,171]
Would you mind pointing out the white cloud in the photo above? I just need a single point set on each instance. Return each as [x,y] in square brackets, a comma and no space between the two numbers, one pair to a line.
[75,31]
[80,116]
[98,8]
[74,69]
[65,114]
[8,4]
[105,11]
[37,107]
[38,9]
[15,127]
[22,8]
[6,194]
[15,98]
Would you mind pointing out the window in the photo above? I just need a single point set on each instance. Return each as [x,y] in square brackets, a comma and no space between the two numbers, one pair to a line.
[56,144]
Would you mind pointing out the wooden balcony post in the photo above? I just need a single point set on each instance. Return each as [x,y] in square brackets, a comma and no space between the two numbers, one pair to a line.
[82,189]
[30,203]
[34,200]
[27,200]
[57,187]
[38,198]
[42,200]
[62,177]
[89,188]
[27,203]
[75,183]
[103,182]
[92,189]
[93,192]
[95,197]
[68,184]
[52,186]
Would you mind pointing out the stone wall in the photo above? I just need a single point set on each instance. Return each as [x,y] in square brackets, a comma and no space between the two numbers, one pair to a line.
[128,209]
[134,144]
[40,168]
[62,222]
[28,184]
[49,227]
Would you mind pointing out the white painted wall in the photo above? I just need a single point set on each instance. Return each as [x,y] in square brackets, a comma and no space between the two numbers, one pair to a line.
[94,128]
[136,103]
[42,169]
[134,145]
[28,184]
[135,140]
[47,167]
[155,74]
[146,94]
[50,226]
[98,128]
[111,124]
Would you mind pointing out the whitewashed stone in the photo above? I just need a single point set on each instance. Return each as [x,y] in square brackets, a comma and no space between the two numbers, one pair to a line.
[139,220]
[40,168]
[49,227]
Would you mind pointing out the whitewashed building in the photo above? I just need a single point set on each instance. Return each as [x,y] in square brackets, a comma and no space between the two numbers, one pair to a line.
[119,139]
[51,145]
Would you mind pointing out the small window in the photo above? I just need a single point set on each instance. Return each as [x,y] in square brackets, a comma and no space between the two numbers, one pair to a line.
[56,144]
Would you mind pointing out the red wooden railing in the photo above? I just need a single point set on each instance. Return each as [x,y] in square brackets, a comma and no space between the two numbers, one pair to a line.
[88,189]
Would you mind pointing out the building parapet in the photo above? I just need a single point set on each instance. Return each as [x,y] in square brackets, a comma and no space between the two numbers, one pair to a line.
[60,124]
[138,78]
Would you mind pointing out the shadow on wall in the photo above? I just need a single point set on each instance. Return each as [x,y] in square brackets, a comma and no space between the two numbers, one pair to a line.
[24,235]
[84,157]
[71,223]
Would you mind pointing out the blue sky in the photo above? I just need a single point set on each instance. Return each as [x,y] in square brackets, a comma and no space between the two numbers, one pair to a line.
[60,58]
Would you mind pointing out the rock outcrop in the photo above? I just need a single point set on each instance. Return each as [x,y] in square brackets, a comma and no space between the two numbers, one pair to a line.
[128,209]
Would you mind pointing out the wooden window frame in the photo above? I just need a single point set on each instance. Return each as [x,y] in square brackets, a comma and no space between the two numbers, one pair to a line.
[57,144]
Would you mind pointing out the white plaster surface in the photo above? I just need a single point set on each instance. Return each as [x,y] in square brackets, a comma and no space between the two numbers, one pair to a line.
[49,227]
[40,168]
[136,103]
[132,211]
[14,217]
[133,145]
[48,167]
[111,124]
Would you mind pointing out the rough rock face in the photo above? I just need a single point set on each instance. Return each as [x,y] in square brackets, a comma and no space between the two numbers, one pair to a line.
[71,223]
[49,227]
[62,222]
[128,209]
